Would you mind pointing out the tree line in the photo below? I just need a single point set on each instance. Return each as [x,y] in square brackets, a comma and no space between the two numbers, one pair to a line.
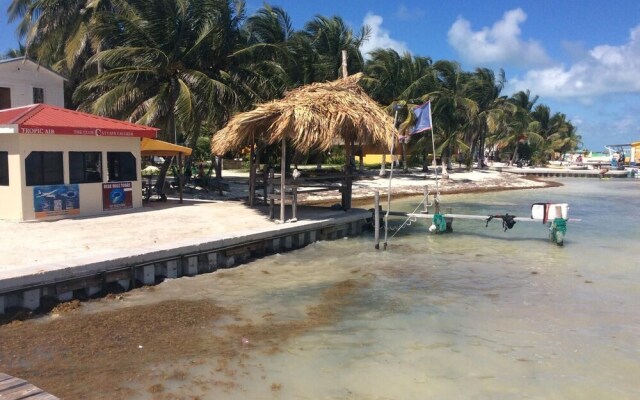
[186,66]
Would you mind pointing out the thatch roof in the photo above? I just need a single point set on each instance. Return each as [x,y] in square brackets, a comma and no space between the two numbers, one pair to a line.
[312,117]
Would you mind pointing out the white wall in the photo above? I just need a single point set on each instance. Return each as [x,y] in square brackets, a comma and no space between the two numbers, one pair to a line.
[11,196]
[22,76]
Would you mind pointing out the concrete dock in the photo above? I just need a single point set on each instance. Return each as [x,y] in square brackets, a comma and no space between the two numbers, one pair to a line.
[45,262]
[567,172]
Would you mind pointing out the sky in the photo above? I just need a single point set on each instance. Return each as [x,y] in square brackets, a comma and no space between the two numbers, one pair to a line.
[581,57]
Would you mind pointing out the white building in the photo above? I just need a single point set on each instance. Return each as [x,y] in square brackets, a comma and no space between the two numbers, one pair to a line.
[24,82]
[56,163]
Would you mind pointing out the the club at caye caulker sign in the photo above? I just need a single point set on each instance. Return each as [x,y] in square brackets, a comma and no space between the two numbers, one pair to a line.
[62,130]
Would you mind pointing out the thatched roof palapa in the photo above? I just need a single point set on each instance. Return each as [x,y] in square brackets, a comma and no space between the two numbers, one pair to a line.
[312,117]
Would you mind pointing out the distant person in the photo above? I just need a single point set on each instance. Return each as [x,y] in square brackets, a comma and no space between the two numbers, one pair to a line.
[201,171]
[616,158]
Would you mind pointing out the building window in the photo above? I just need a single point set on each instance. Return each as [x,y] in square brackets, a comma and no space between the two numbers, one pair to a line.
[4,168]
[38,95]
[121,167]
[5,98]
[85,167]
[44,168]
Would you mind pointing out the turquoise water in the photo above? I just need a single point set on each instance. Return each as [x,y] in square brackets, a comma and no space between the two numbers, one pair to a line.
[479,313]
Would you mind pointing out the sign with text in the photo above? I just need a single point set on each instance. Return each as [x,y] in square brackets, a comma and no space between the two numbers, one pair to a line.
[53,200]
[117,196]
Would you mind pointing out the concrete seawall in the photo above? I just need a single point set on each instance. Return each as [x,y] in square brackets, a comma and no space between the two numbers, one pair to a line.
[32,287]
[567,173]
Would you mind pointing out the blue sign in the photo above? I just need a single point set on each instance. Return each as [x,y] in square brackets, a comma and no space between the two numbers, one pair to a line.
[51,200]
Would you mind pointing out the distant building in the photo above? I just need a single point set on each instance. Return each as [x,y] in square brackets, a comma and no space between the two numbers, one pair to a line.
[24,82]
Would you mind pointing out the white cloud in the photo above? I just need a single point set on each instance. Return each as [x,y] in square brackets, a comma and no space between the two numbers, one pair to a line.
[406,14]
[380,37]
[500,44]
[604,69]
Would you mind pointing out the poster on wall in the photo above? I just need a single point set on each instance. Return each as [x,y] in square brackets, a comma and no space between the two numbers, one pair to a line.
[53,200]
[117,196]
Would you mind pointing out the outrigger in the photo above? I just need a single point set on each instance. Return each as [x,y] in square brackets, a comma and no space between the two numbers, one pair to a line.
[554,215]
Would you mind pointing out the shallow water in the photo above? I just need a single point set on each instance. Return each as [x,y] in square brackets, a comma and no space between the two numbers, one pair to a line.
[479,313]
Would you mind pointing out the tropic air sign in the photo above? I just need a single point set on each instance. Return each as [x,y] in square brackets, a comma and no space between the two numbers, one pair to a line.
[62,130]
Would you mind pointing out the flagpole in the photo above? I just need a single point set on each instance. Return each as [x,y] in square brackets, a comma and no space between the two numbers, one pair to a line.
[386,217]
[435,164]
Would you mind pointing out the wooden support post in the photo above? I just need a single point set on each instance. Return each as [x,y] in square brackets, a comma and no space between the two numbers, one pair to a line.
[347,182]
[294,203]
[376,218]
[361,159]
[252,173]
[271,193]
[349,188]
[265,185]
[283,159]
[180,176]
[344,64]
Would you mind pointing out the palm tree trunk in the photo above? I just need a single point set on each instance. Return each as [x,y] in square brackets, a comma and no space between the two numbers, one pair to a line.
[481,150]
[425,161]
[162,177]
[514,157]
[217,165]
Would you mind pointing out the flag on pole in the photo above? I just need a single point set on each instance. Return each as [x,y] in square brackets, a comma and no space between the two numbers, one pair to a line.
[423,118]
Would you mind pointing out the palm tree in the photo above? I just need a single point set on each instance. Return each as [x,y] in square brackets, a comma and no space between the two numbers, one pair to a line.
[390,76]
[175,64]
[328,37]
[523,100]
[269,34]
[514,131]
[453,108]
[566,136]
[485,89]
[14,53]
[60,33]
[56,31]
[519,125]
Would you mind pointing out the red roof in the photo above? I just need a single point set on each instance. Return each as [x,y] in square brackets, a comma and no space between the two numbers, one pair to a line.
[45,119]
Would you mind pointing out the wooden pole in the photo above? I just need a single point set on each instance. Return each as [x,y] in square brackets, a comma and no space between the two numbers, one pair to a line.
[265,184]
[282,176]
[344,64]
[361,158]
[347,186]
[180,175]
[376,218]
[252,172]
[272,211]
[294,203]
[348,149]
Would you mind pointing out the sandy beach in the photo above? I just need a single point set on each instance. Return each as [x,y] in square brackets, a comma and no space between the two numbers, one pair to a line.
[411,183]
